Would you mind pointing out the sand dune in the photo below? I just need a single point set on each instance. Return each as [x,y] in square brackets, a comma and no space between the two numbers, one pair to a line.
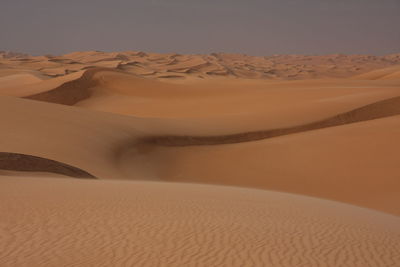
[381,109]
[320,126]
[79,138]
[15,89]
[117,147]
[240,105]
[355,163]
[390,73]
[215,65]
[18,80]
[85,223]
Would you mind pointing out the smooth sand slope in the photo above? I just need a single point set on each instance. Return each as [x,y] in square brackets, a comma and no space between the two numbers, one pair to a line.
[68,222]
[390,73]
[18,80]
[83,139]
[353,163]
[214,107]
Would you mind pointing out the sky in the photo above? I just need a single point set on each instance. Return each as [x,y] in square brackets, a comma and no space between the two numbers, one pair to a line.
[254,27]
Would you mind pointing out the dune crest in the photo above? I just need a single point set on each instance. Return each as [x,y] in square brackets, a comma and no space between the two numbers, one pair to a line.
[29,163]
[380,109]
[70,92]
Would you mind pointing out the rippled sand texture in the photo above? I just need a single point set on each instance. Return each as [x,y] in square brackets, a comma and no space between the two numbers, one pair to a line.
[63,222]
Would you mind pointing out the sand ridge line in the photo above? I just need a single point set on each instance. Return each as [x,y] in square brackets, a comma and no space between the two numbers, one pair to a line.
[29,163]
[381,109]
[71,92]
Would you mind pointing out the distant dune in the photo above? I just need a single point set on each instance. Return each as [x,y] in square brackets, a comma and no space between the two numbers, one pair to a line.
[321,127]
[216,65]
[18,80]
[391,73]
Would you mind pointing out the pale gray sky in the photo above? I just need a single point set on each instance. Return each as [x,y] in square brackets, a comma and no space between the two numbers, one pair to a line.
[255,27]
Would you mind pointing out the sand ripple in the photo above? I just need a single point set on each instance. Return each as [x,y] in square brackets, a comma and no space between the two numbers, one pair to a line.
[63,222]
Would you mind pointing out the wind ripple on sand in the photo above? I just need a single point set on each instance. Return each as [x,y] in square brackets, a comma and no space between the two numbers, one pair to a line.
[109,223]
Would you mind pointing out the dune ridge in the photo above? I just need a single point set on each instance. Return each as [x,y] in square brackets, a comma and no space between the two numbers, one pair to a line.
[380,109]
[28,163]
[71,92]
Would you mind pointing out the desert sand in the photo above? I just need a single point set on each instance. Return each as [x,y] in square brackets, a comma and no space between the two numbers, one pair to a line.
[68,222]
[104,159]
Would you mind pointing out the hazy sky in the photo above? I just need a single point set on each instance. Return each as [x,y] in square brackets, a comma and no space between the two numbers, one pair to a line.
[255,27]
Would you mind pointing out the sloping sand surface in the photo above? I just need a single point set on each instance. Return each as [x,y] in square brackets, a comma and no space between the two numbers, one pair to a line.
[83,139]
[15,89]
[64,222]
[18,80]
[355,163]
[238,105]
[110,146]
[381,74]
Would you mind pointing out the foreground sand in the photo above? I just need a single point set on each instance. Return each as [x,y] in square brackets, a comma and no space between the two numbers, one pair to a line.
[67,222]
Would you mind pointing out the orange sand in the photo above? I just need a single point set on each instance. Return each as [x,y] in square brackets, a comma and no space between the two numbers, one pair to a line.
[321,126]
